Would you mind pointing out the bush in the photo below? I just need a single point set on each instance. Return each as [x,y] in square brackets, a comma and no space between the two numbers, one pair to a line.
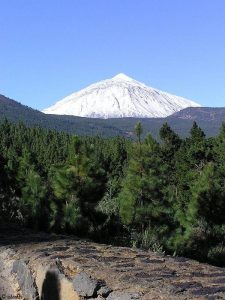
[147,240]
[216,255]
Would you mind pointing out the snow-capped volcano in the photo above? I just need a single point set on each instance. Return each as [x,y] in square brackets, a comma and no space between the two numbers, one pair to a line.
[119,97]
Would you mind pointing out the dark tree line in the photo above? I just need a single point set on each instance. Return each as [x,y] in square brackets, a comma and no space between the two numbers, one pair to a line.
[167,196]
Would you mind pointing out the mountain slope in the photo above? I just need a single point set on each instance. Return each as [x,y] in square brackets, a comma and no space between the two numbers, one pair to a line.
[16,112]
[201,113]
[210,119]
[119,97]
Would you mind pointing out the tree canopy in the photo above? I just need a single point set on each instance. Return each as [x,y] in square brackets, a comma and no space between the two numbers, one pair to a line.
[165,196]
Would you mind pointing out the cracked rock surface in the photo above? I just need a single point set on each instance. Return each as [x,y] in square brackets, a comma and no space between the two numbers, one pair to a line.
[47,267]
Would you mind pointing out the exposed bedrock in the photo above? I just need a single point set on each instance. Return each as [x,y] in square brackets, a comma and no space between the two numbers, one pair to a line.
[46,267]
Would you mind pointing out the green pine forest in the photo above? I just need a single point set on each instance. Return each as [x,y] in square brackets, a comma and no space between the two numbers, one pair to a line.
[166,196]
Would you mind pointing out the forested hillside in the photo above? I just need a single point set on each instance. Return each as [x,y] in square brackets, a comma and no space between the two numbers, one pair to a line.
[210,119]
[167,196]
[16,112]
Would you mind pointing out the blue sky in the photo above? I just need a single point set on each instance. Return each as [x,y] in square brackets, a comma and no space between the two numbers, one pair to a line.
[50,48]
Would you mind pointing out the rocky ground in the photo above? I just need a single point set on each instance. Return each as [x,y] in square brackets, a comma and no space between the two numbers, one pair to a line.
[47,267]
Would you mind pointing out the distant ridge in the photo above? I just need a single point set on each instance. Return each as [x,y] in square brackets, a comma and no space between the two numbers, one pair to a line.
[120,97]
[209,119]
[201,113]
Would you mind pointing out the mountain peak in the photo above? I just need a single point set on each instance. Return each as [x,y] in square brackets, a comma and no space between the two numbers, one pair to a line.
[119,97]
[122,77]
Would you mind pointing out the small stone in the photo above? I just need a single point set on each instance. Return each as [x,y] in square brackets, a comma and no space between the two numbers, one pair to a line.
[123,296]
[104,291]
[84,285]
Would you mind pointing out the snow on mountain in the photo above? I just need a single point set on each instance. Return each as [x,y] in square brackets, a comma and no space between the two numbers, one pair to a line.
[119,97]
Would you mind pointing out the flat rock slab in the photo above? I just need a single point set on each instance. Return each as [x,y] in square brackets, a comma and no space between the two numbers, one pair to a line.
[97,271]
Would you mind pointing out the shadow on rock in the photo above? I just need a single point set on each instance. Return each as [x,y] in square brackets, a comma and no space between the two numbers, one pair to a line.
[51,287]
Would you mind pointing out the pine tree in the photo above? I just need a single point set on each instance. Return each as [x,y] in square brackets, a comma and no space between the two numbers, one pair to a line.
[170,145]
[142,202]
[138,131]
[219,146]
[33,196]
[66,207]
[198,151]
[7,205]
[189,160]
[207,197]
[32,192]
[203,222]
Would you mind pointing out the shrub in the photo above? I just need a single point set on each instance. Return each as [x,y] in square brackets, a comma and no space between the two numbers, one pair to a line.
[216,255]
